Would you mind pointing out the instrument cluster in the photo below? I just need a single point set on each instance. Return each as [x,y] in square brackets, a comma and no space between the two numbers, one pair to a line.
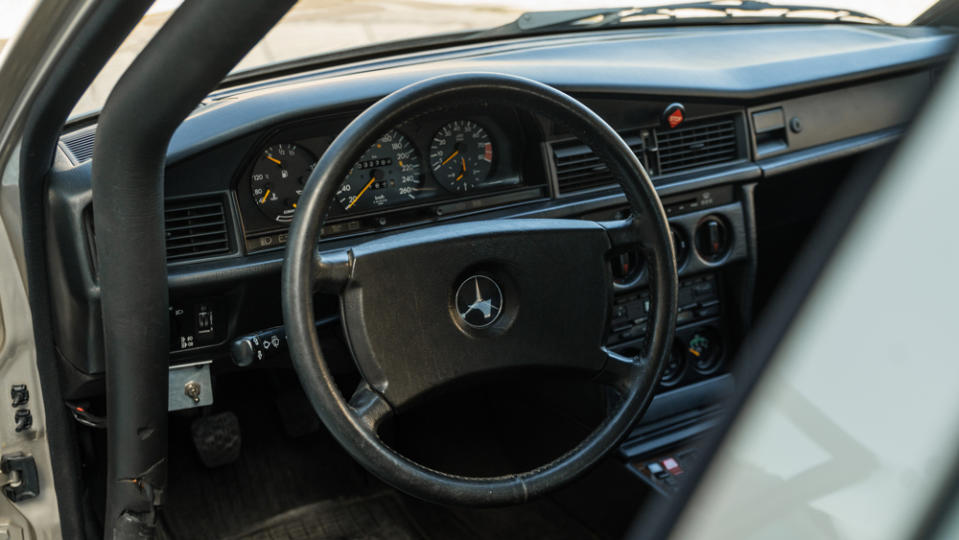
[415,169]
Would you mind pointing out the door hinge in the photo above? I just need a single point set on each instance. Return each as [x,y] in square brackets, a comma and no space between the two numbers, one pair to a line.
[19,480]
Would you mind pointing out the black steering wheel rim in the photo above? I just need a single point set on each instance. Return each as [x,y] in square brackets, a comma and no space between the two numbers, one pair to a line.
[350,420]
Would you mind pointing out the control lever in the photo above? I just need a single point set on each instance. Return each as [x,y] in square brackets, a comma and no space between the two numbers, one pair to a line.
[264,344]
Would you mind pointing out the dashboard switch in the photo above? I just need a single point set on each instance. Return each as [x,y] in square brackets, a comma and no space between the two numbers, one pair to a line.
[204,320]
[674,115]
[672,466]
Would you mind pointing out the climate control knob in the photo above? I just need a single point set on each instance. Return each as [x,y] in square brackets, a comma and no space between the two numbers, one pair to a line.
[712,238]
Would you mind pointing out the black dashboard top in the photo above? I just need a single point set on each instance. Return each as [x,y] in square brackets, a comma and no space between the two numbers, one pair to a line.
[719,63]
[724,74]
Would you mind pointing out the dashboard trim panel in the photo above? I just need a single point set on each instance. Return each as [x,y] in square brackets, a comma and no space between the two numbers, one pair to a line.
[792,161]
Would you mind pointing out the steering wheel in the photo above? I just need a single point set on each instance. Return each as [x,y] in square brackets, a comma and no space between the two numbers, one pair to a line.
[428,307]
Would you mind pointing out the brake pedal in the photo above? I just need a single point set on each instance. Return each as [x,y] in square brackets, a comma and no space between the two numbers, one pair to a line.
[217,438]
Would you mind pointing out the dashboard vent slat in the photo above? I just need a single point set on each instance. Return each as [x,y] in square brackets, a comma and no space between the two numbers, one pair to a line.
[196,228]
[170,230]
[683,159]
[191,215]
[80,143]
[697,145]
[578,168]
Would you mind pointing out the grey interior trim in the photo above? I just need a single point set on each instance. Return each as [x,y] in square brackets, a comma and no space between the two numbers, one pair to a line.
[827,152]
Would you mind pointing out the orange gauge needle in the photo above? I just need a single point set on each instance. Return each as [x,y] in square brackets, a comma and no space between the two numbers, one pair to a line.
[362,191]
[265,195]
[694,352]
[274,160]
[447,160]
[463,160]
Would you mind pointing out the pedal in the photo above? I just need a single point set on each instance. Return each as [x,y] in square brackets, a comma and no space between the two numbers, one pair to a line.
[217,438]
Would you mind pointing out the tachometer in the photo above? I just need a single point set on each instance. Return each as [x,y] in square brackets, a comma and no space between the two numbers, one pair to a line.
[278,177]
[387,173]
[461,154]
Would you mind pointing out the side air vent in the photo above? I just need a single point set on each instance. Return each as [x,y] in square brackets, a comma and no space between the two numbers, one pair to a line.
[709,142]
[195,228]
[80,143]
[578,168]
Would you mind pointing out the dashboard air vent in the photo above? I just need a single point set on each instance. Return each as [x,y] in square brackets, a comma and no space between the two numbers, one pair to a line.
[80,143]
[578,168]
[195,228]
[698,144]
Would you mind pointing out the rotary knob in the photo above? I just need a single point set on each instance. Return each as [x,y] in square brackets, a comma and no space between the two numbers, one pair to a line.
[712,239]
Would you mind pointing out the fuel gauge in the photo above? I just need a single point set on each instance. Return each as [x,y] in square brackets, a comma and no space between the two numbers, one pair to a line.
[278,177]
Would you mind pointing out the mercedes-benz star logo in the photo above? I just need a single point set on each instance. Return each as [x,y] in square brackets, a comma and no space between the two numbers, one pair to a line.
[479,301]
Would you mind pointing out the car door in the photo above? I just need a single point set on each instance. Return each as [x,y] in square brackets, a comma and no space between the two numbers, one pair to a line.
[28,505]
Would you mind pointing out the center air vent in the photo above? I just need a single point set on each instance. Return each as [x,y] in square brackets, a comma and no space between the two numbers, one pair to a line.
[578,168]
[196,228]
[709,142]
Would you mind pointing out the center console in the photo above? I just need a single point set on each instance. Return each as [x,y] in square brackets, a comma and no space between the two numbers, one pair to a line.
[710,242]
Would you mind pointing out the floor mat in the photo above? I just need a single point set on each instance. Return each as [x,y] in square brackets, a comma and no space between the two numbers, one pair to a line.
[378,517]
[535,520]
[390,515]
[274,474]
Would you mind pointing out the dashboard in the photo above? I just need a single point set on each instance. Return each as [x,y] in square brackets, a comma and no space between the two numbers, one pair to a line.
[759,103]
[451,158]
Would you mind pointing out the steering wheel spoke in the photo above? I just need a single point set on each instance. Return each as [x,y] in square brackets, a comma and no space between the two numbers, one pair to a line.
[369,406]
[628,233]
[620,370]
[332,271]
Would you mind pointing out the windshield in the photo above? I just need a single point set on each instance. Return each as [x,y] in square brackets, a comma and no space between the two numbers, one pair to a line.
[317,27]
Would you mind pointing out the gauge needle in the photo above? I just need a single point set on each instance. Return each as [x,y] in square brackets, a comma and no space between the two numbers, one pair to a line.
[265,195]
[447,160]
[694,352]
[274,160]
[362,191]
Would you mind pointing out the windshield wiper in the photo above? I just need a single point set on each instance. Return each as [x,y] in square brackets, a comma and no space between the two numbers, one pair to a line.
[673,14]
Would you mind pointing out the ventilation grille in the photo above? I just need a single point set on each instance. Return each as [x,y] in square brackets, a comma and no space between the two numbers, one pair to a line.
[80,143]
[195,228]
[578,168]
[697,145]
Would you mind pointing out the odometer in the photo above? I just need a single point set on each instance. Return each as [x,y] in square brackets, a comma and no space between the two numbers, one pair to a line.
[387,173]
[278,177]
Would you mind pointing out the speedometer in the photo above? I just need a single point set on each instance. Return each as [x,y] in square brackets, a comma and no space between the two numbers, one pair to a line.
[387,173]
